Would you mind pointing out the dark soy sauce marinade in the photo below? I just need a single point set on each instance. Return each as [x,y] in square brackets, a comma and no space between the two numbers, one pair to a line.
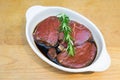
[44,49]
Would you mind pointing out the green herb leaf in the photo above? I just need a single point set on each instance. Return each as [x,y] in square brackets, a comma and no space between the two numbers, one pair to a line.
[64,27]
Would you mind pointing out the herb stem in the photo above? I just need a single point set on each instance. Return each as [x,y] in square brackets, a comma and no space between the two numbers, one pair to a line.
[65,28]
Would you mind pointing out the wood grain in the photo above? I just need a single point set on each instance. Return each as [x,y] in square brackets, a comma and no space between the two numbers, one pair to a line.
[19,62]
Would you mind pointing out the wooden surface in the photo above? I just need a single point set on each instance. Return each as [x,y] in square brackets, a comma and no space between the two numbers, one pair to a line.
[19,62]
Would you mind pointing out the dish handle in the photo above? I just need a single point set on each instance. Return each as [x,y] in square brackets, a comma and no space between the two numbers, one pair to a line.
[32,11]
[102,63]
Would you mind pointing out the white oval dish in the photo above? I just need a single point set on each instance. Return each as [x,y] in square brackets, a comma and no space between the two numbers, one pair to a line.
[35,14]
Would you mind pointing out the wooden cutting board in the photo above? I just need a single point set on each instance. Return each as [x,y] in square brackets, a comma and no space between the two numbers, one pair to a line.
[19,62]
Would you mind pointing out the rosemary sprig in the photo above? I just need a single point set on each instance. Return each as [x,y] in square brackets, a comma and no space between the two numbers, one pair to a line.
[64,27]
